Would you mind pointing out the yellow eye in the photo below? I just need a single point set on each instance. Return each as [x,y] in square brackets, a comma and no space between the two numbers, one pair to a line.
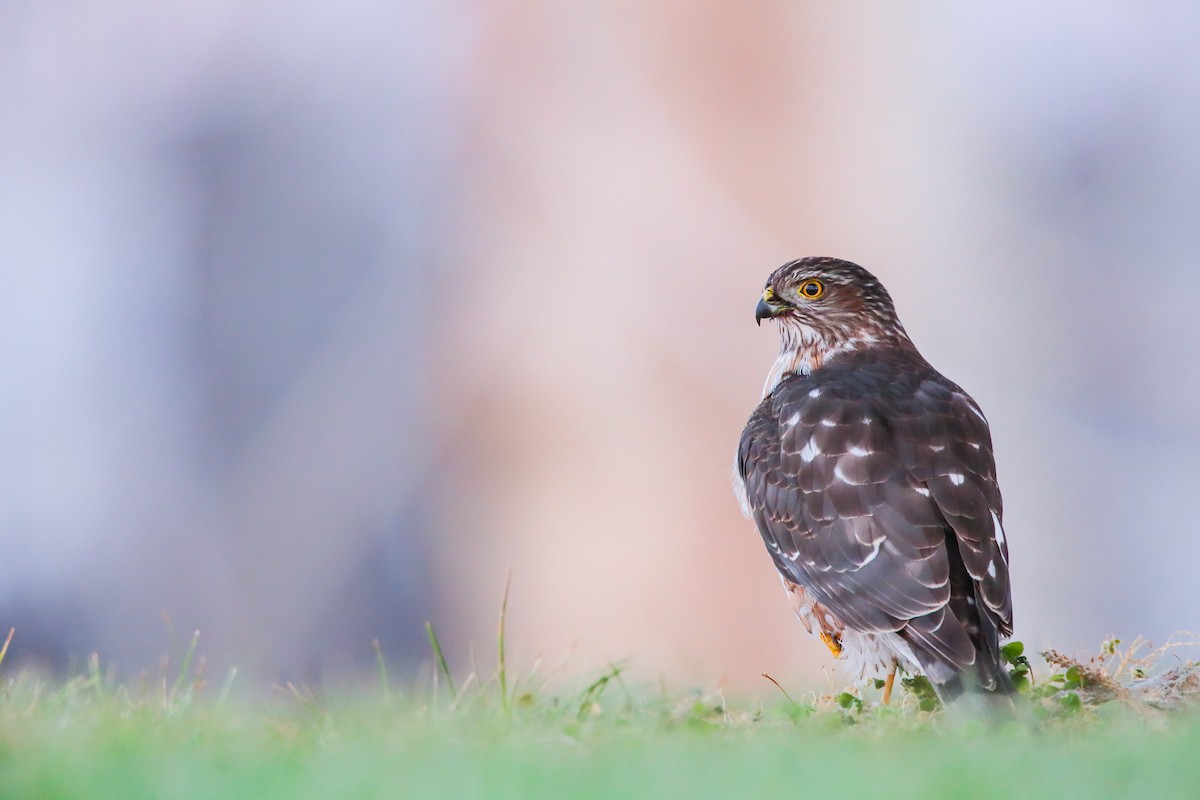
[812,289]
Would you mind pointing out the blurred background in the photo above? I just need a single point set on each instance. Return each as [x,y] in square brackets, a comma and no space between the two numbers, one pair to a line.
[316,320]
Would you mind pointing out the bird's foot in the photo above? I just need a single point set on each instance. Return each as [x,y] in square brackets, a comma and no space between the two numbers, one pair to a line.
[887,685]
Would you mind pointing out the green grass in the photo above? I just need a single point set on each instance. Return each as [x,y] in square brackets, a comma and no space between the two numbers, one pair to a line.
[516,736]
[90,739]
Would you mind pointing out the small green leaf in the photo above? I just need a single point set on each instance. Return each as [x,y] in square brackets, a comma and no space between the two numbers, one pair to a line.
[1046,690]
[1073,678]
[1011,651]
[797,711]
[847,701]
[880,683]
[920,687]
[1071,702]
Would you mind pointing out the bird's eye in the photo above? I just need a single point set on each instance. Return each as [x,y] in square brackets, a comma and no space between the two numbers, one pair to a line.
[812,289]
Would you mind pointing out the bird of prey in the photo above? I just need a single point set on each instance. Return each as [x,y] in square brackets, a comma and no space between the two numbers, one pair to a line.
[871,479]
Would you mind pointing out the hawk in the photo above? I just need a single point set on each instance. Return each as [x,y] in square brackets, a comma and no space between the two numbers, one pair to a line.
[871,479]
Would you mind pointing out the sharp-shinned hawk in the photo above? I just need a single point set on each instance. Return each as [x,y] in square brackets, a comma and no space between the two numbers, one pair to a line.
[871,479]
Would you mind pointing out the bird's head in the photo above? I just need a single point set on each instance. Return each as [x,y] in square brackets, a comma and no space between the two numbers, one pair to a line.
[826,305]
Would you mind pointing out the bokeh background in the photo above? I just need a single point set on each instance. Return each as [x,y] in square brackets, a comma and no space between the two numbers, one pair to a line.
[318,319]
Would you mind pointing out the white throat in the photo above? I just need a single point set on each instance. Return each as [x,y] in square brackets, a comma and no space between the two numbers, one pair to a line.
[790,361]
[801,355]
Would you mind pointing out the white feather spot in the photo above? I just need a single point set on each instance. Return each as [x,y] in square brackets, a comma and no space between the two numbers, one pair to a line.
[809,451]
[937,448]
[970,601]
[974,408]
[841,476]
[998,528]
[976,445]
[991,569]
[855,450]
[956,478]
[829,423]
[874,551]
[793,419]
[867,420]
[815,393]
[921,490]
[793,556]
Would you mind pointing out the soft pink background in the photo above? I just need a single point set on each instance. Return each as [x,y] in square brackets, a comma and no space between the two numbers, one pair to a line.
[317,320]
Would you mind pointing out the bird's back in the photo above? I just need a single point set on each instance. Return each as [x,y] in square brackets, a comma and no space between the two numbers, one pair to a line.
[872,482]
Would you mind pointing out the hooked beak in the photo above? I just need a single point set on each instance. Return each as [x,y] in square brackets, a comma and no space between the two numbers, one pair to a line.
[768,307]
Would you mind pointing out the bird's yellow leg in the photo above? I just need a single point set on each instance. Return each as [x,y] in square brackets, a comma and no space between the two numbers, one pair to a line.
[887,685]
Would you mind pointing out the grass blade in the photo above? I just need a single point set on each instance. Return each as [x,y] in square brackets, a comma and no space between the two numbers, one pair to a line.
[225,689]
[382,665]
[780,688]
[186,664]
[95,677]
[7,642]
[502,672]
[439,656]
[591,695]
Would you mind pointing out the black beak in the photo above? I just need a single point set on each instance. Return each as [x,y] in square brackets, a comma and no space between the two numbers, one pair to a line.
[767,309]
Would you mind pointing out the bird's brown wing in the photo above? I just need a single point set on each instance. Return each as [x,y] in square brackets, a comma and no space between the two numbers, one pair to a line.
[873,486]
